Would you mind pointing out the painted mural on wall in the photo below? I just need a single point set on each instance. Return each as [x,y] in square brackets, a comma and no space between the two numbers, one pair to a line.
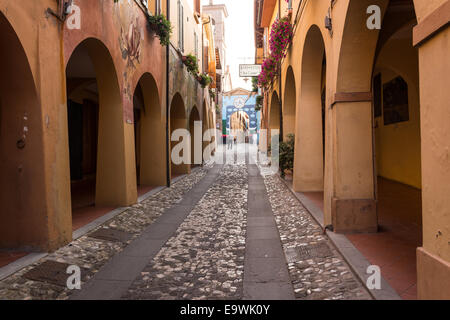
[232,104]
[131,36]
[181,81]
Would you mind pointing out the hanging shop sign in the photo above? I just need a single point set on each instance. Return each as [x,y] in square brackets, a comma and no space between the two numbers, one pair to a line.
[249,70]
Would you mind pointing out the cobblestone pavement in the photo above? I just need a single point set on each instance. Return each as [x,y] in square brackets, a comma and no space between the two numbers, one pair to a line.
[317,270]
[91,253]
[205,258]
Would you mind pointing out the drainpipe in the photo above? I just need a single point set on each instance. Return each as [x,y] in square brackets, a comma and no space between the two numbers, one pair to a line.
[279,86]
[168,160]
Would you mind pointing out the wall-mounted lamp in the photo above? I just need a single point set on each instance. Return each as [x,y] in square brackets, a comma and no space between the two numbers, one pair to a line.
[68,7]
[64,9]
[329,23]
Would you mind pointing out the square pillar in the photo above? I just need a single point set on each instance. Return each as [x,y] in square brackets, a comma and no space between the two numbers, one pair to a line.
[352,203]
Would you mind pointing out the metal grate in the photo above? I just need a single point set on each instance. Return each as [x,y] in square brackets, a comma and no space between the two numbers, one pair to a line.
[319,250]
[113,235]
[52,272]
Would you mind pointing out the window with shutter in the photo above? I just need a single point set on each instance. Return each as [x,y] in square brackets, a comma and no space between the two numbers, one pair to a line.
[158,7]
[196,44]
[180,26]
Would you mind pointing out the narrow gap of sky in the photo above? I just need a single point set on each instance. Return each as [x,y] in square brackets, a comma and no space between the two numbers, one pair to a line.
[239,37]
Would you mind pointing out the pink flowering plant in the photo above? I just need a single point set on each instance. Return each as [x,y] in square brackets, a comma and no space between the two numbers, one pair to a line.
[268,72]
[280,38]
[162,27]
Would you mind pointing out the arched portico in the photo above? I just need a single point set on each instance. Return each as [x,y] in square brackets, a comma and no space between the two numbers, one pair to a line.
[194,119]
[178,120]
[23,218]
[101,169]
[289,103]
[149,134]
[350,203]
[309,155]
[274,112]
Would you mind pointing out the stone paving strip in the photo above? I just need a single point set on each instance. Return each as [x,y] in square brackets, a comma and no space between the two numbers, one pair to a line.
[317,270]
[266,276]
[91,254]
[205,257]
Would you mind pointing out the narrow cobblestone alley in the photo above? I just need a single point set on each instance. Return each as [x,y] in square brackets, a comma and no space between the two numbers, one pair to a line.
[222,232]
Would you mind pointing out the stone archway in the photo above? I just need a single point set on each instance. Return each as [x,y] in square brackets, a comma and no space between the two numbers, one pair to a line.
[350,203]
[194,119]
[394,155]
[289,103]
[274,113]
[99,166]
[23,217]
[309,155]
[149,134]
[378,113]
[178,120]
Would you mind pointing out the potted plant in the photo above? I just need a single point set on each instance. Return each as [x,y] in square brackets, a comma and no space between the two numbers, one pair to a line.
[191,63]
[204,79]
[212,94]
[259,103]
[286,161]
[161,27]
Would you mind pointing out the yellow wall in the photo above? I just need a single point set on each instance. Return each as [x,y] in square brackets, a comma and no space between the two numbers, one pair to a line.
[190,27]
[398,145]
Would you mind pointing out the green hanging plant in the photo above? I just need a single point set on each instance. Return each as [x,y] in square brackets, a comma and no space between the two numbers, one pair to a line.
[259,103]
[161,26]
[191,63]
[255,84]
[204,79]
[212,94]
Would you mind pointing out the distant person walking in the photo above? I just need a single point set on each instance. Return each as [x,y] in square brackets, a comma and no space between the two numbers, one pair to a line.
[230,142]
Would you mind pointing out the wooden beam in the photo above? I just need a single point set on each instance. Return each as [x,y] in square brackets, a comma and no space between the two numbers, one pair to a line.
[432,24]
[342,97]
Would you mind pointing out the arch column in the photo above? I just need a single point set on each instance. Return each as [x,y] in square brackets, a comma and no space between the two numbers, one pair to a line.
[26,218]
[349,202]
[152,135]
[194,130]
[274,114]
[353,206]
[290,104]
[178,120]
[116,177]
